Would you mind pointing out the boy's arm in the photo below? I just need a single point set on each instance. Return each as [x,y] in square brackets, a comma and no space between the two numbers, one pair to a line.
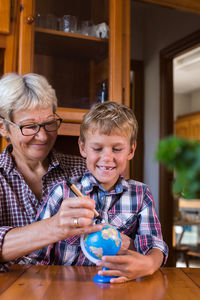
[151,249]
[129,265]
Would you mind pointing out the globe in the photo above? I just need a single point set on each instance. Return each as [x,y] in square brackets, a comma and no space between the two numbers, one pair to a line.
[100,243]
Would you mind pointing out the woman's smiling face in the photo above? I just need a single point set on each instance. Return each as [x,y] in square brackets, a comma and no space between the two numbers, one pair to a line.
[37,146]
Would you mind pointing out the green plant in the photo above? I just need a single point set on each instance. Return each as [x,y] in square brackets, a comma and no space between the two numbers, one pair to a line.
[183,157]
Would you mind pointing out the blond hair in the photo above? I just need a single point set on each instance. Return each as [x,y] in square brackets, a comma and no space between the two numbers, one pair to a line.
[109,117]
[21,92]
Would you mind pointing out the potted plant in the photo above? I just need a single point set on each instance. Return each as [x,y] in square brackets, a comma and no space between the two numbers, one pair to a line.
[183,157]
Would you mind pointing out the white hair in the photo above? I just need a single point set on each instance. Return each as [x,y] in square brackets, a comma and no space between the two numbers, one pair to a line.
[21,92]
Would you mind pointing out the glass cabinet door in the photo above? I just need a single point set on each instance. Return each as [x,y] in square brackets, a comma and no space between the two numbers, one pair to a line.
[69,48]
[79,46]
[69,42]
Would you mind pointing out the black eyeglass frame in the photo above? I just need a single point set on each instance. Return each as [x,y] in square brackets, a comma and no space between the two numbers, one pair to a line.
[39,125]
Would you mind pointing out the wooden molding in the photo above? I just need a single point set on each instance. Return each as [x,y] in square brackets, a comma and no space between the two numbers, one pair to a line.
[188,5]
[26,37]
[115,52]
[5,6]
[12,41]
[71,115]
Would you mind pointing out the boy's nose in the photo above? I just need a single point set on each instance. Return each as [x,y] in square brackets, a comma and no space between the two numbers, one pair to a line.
[107,155]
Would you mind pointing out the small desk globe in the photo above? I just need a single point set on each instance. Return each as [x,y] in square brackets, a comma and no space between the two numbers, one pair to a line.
[100,243]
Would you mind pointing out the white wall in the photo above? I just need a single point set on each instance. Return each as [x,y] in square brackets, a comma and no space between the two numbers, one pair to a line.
[186,103]
[195,101]
[154,28]
[182,104]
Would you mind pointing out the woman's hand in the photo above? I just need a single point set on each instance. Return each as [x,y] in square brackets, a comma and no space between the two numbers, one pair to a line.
[129,265]
[74,217]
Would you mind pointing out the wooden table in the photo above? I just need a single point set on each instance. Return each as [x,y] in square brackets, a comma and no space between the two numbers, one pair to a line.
[62,282]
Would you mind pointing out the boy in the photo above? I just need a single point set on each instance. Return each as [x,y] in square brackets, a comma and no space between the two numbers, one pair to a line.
[108,141]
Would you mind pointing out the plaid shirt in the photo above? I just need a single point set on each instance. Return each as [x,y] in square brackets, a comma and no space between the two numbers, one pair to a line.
[18,204]
[129,207]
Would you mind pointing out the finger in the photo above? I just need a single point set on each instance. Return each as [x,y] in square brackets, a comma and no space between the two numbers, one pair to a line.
[111,266]
[76,213]
[79,222]
[116,259]
[122,252]
[110,273]
[119,279]
[77,202]
[86,230]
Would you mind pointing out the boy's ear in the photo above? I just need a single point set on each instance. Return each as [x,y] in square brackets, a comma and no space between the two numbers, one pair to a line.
[81,148]
[132,151]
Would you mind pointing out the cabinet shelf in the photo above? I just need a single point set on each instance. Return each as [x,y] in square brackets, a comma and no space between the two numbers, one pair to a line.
[53,42]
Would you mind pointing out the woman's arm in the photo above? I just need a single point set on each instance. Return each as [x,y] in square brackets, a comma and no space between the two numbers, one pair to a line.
[21,241]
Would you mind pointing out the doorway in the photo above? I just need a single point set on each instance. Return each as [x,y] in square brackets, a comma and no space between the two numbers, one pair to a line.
[167,128]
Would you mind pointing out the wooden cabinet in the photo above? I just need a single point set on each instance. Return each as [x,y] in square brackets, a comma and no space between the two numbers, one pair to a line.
[188,126]
[5,11]
[9,37]
[75,64]
[9,20]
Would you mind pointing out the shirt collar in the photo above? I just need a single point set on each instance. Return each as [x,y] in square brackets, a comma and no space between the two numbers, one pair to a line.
[53,160]
[89,183]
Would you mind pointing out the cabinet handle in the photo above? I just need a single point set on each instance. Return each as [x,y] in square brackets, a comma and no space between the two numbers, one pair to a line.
[30,19]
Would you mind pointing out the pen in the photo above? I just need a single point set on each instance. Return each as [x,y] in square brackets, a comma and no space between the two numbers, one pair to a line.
[78,193]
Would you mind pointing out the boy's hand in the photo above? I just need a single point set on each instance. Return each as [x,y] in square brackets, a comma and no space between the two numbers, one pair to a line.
[127,242]
[129,265]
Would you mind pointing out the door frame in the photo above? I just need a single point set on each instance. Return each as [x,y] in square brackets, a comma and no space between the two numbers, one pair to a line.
[167,128]
[137,104]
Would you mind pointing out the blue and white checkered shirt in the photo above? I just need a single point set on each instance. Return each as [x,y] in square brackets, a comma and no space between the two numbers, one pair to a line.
[129,207]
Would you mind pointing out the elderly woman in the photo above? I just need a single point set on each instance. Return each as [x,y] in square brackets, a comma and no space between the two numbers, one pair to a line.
[29,168]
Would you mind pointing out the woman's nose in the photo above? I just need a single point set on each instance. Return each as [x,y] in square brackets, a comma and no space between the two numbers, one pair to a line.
[42,134]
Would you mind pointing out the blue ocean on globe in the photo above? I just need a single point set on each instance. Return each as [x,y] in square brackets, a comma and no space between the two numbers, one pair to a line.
[100,243]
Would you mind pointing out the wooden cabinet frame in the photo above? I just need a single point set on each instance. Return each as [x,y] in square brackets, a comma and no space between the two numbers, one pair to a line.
[188,5]
[5,12]
[119,53]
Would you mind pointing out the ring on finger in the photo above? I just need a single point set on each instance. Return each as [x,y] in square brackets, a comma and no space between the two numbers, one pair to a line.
[76,224]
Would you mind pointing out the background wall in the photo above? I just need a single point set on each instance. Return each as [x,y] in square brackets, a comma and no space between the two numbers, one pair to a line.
[186,103]
[152,29]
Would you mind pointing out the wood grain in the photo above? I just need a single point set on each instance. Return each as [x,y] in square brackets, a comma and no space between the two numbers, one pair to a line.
[66,282]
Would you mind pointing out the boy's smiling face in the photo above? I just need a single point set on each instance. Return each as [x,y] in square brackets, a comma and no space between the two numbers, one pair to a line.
[106,156]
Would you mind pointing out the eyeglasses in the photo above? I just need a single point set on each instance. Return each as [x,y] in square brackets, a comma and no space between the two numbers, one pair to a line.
[31,129]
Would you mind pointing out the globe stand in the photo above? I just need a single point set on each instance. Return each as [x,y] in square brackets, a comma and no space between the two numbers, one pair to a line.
[101,278]
[107,241]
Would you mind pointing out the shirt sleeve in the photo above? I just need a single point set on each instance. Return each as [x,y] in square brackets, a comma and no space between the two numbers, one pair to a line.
[52,203]
[149,233]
